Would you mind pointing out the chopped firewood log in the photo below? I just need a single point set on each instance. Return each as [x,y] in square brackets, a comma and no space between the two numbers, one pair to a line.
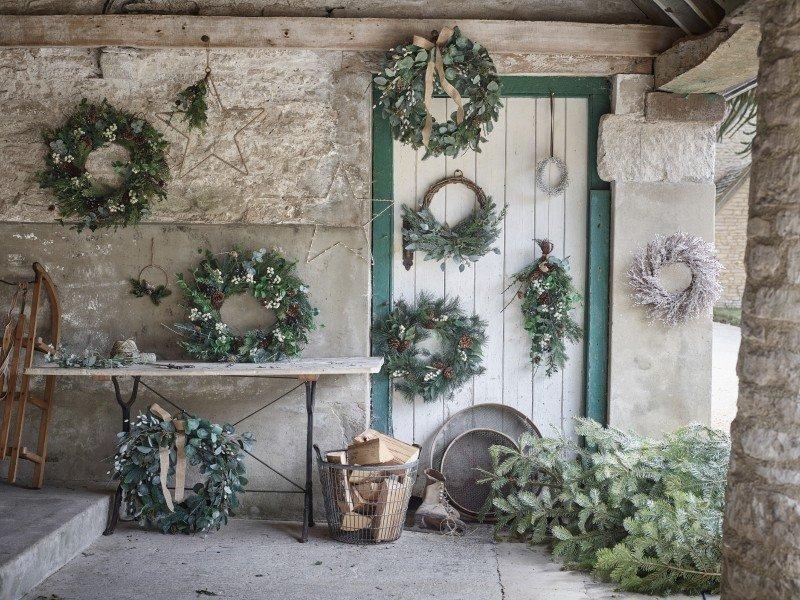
[343,494]
[367,491]
[352,521]
[401,452]
[369,452]
[389,510]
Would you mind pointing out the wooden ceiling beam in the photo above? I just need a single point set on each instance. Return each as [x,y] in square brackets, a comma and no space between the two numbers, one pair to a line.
[173,31]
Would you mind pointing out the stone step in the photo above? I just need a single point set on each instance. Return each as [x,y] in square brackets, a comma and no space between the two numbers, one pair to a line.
[42,530]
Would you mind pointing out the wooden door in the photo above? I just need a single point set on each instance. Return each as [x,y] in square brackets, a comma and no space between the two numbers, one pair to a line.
[505,169]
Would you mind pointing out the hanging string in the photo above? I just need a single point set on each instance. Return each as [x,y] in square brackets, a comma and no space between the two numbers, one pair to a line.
[207,40]
[552,121]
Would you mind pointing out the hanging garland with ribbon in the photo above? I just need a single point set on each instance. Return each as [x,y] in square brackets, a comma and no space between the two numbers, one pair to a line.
[416,371]
[158,447]
[454,65]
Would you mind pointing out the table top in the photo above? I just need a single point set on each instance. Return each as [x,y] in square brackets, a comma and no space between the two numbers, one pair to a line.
[284,368]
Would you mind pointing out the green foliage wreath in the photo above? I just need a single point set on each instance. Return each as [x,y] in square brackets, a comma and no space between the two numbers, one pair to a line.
[215,449]
[144,177]
[416,371]
[467,67]
[548,299]
[271,279]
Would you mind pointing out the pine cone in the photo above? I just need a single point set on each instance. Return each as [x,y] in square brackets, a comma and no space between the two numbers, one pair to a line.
[546,246]
[543,298]
[263,344]
[404,345]
[448,373]
[206,289]
[71,169]
[86,139]
[465,341]
[127,135]
[217,298]
[439,365]
[394,343]
[293,310]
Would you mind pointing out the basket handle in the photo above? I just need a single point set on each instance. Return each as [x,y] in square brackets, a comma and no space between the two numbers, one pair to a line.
[319,454]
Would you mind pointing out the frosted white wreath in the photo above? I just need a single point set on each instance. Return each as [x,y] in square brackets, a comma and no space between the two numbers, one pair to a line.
[698,298]
[542,180]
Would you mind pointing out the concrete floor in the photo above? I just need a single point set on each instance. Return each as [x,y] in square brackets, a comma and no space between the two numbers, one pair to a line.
[263,560]
[724,381]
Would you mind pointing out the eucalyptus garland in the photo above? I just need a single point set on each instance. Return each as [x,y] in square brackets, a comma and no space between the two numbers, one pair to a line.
[272,280]
[416,371]
[88,359]
[216,450]
[191,104]
[405,80]
[144,177]
[548,299]
[141,288]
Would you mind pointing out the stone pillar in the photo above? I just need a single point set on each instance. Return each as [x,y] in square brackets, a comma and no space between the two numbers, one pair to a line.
[661,166]
[762,514]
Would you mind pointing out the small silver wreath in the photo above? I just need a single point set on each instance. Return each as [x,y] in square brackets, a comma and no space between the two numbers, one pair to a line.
[674,308]
[542,180]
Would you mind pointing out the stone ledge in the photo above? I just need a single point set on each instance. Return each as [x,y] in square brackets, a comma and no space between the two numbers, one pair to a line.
[691,108]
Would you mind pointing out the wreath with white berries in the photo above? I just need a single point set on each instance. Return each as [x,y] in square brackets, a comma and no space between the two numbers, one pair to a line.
[272,280]
[416,371]
[144,176]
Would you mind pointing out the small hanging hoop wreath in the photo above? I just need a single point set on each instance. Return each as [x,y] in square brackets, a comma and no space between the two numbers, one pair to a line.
[418,372]
[95,126]
[543,181]
[453,65]
[140,287]
[674,308]
[157,443]
[466,242]
[272,280]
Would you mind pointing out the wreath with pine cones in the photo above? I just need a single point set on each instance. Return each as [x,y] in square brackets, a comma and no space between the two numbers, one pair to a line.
[416,371]
[144,176]
[548,299]
[272,280]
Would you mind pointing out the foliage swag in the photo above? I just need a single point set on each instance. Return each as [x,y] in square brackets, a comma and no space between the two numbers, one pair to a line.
[141,288]
[144,177]
[216,450]
[416,371]
[272,280]
[645,514]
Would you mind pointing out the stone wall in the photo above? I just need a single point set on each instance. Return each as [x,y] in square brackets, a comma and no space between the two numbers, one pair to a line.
[730,240]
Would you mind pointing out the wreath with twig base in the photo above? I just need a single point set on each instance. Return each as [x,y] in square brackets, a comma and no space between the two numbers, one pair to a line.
[215,449]
[272,280]
[674,308]
[416,371]
[466,242]
[412,74]
[548,299]
[144,176]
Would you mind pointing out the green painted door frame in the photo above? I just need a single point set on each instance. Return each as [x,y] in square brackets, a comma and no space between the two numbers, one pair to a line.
[596,91]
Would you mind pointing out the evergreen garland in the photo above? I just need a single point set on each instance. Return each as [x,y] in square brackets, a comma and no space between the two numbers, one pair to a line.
[643,513]
[144,177]
[416,371]
[548,299]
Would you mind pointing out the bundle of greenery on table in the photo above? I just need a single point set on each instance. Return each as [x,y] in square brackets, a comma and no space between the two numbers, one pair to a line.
[645,514]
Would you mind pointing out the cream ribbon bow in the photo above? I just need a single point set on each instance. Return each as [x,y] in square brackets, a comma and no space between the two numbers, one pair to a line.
[180,459]
[436,63]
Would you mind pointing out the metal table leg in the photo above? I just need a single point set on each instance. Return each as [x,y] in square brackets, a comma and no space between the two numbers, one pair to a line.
[126,427]
[308,497]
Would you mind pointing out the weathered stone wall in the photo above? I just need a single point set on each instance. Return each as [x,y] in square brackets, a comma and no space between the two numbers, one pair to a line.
[662,174]
[730,238]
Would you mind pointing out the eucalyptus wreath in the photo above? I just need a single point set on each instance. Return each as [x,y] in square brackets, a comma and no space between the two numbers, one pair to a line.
[416,371]
[674,308]
[144,176]
[466,66]
[272,280]
[548,298]
[215,449]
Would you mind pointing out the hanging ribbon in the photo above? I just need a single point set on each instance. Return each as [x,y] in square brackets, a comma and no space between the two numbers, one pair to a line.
[436,63]
[180,458]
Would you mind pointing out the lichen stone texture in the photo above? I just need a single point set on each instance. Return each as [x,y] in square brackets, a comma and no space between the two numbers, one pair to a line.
[762,515]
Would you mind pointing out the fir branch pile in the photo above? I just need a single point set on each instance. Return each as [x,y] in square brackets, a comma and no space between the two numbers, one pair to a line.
[144,176]
[469,240]
[215,449]
[548,299]
[467,67]
[272,280]
[415,371]
[645,514]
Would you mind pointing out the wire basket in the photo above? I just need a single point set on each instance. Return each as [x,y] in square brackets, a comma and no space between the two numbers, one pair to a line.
[366,504]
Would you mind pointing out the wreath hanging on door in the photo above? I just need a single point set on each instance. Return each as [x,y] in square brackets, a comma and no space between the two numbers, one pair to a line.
[453,64]
[416,371]
[548,299]
[158,447]
[466,242]
[272,280]
[144,176]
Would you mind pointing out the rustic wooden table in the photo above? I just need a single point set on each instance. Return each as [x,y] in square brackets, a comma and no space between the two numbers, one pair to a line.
[306,370]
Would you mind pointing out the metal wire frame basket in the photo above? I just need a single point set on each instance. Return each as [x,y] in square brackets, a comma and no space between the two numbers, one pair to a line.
[366,504]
